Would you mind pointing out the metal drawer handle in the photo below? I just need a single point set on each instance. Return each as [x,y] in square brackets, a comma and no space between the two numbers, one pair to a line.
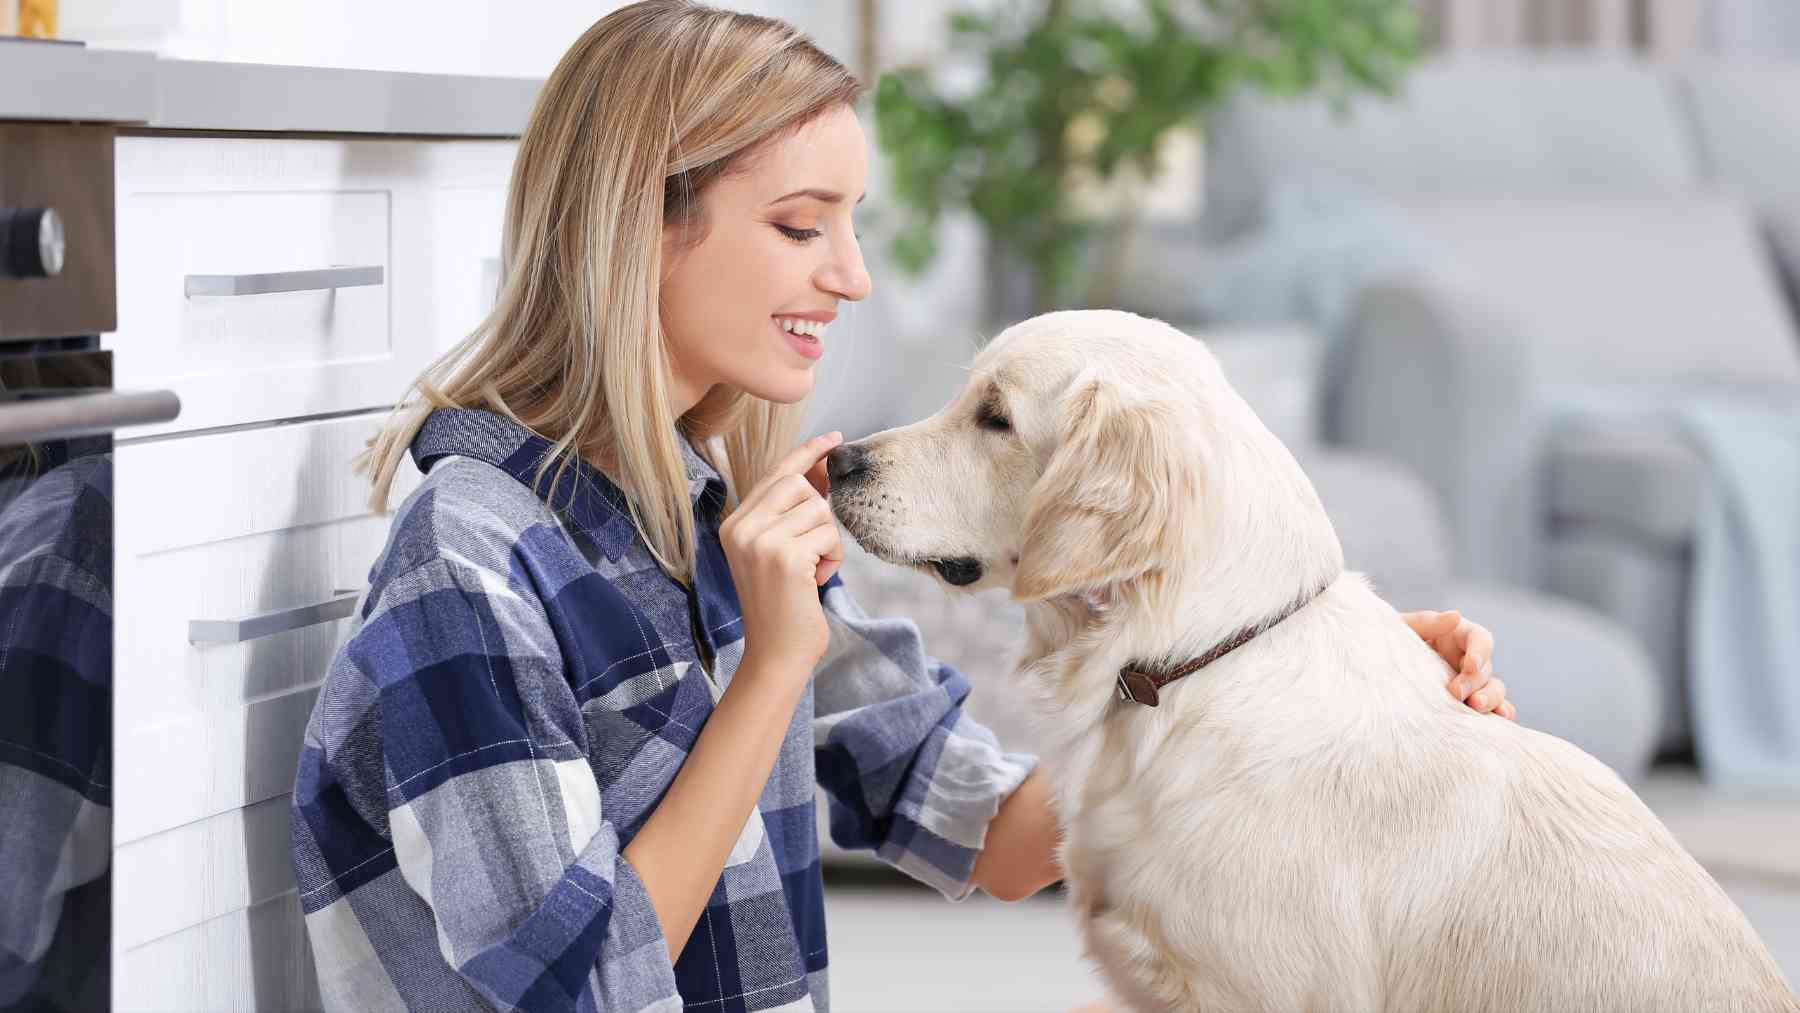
[284,281]
[237,631]
[60,418]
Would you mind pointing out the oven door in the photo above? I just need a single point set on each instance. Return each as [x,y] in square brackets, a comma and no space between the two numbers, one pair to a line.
[57,415]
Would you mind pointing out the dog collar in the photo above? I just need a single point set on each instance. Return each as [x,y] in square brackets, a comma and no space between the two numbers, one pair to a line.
[1140,686]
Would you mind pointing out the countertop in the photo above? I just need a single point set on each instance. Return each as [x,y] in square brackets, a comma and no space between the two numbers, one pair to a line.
[60,81]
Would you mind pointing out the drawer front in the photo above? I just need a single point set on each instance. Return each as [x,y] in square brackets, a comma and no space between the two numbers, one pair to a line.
[231,588]
[272,278]
[184,877]
[256,959]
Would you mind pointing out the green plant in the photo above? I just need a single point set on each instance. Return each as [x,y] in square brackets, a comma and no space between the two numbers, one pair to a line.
[1071,90]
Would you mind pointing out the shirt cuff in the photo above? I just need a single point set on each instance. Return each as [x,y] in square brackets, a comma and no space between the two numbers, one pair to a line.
[636,970]
[952,797]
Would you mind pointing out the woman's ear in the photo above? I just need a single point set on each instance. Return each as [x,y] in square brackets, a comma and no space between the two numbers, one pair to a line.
[1112,501]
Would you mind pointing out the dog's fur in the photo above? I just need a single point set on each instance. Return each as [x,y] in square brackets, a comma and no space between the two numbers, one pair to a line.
[1312,822]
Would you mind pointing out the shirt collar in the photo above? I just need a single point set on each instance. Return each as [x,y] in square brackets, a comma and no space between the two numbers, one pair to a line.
[583,496]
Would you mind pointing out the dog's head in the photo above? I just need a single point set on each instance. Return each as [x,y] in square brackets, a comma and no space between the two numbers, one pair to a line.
[1076,459]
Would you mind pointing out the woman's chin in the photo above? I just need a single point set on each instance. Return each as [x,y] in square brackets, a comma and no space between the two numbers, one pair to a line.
[785,390]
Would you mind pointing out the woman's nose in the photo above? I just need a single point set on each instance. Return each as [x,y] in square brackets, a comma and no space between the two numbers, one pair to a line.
[846,276]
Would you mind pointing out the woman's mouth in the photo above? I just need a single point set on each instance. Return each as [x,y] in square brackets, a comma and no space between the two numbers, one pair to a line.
[803,335]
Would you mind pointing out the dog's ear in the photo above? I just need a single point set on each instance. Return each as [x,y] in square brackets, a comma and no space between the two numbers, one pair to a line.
[1112,500]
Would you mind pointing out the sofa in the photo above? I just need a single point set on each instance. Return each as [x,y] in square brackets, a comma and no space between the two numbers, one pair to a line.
[1595,226]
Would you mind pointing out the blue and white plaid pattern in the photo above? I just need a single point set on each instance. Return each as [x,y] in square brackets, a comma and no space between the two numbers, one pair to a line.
[523,688]
[55,693]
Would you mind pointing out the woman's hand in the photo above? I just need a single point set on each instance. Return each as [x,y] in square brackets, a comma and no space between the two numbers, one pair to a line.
[782,543]
[1469,648]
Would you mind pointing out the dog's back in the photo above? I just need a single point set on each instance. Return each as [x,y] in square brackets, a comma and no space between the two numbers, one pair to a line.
[1581,899]
[1352,838]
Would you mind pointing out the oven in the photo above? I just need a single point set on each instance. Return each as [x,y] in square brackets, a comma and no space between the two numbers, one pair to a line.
[58,413]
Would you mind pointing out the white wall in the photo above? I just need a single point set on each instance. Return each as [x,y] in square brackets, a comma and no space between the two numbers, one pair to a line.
[516,38]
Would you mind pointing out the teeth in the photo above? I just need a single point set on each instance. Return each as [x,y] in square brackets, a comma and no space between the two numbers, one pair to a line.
[810,328]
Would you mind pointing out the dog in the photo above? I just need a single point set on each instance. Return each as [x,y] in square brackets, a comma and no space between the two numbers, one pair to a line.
[1306,820]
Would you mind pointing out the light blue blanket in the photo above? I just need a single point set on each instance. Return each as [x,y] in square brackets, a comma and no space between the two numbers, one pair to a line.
[1744,603]
[1744,599]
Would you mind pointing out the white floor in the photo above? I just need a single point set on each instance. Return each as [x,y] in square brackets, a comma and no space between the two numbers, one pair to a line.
[903,949]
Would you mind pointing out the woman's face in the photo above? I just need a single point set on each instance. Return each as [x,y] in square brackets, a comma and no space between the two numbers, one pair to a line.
[750,303]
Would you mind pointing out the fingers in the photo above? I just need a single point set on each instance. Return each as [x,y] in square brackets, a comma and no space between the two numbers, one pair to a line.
[1488,696]
[820,477]
[1472,672]
[1477,646]
[824,543]
[1476,667]
[1429,624]
[800,461]
[1438,629]
[775,500]
[803,517]
[1468,648]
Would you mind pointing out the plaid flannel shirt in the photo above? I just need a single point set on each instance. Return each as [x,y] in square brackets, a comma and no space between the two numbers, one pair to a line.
[523,687]
[56,643]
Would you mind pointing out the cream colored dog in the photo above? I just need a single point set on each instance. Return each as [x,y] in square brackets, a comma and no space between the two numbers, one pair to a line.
[1310,822]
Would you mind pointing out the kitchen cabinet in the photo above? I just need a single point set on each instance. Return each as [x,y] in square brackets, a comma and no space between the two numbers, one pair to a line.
[288,289]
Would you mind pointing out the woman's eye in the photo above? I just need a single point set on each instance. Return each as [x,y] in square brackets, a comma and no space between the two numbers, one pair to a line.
[798,235]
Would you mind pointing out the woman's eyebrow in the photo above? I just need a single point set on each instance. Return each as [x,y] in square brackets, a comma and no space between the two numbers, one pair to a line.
[827,196]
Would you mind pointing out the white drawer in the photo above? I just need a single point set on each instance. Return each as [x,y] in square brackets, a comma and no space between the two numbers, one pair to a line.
[256,959]
[173,773]
[192,874]
[215,528]
[362,240]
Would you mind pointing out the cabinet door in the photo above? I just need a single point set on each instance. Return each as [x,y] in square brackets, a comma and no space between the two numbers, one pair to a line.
[240,560]
[251,961]
[275,278]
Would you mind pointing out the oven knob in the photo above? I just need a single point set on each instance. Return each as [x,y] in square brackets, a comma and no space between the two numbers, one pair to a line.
[31,243]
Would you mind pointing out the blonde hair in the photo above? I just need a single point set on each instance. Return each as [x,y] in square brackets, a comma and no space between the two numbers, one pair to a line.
[650,106]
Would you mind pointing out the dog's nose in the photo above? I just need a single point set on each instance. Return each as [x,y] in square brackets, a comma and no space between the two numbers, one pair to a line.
[846,464]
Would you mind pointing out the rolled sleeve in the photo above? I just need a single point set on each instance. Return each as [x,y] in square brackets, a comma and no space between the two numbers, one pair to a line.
[475,750]
[910,775]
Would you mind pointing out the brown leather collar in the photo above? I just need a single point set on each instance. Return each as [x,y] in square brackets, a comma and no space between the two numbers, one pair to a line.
[1140,686]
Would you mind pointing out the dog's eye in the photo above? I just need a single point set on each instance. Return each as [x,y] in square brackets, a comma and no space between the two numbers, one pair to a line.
[993,420]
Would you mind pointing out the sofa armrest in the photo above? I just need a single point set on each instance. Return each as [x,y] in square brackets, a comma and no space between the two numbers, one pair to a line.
[1435,376]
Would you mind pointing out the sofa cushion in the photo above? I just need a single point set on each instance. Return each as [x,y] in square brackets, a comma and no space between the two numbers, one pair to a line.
[1641,482]
[1624,289]
[1643,588]
[1508,123]
[1746,116]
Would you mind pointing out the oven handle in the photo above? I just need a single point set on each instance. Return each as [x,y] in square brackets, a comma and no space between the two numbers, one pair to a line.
[282,281]
[61,418]
[263,624]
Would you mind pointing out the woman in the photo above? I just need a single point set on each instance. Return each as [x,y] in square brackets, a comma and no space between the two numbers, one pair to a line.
[568,758]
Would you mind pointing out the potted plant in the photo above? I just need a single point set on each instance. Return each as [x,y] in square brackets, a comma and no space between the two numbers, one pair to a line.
[1072,91]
